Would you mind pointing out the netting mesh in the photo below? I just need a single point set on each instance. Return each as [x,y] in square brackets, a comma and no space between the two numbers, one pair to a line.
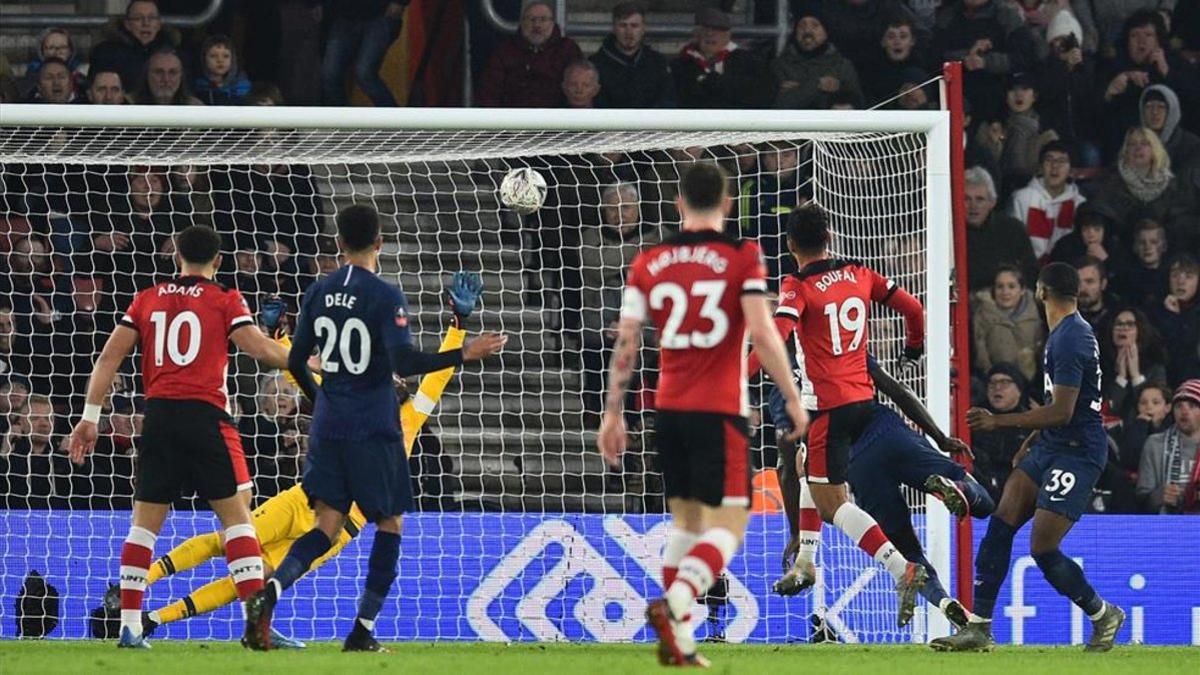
[88,214]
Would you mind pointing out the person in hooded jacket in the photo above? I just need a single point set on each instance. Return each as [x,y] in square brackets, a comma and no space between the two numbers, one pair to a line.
[1161,113]
[222,82]
[526,71]
[632,73]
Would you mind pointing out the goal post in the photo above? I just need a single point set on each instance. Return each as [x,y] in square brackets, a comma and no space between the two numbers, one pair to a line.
[522,533]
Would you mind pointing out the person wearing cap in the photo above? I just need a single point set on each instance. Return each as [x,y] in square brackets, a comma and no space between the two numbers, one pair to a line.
[1047,205]
[1066,84]
[1161,114]
[810,70]
[526,70]
[632,73]
[713,71]
[994,450]
[1168,472]
[992,41]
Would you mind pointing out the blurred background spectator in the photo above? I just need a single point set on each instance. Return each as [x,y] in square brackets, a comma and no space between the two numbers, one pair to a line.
[632,73]
[360,32]
[526,71]
[1167,475]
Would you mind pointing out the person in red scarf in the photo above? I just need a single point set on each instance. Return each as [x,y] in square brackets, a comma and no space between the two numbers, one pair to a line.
[713,71]
[1169,474]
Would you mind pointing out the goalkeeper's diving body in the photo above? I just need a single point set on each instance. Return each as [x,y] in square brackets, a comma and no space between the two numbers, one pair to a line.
[287,516]
[888,456]
[355,451]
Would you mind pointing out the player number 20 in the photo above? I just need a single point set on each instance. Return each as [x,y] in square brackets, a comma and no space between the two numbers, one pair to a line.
[1060,481]
[851,317]
[168,338]
[710,294]
[356,364]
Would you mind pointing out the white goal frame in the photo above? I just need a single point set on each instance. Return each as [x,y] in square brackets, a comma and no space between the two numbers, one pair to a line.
[935,125]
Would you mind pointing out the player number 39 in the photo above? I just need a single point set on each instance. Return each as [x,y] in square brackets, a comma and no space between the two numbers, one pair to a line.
[1060,480]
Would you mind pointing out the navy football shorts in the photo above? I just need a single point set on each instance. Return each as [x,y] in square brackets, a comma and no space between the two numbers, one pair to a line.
[371,473]
[1066,477]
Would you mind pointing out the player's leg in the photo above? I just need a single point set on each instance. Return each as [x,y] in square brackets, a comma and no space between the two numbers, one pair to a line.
[136,554]
[382,488]
[923,468]
[802,573]
[211,596]
[1016,507]
[830,436]
[1061,501]
[192,552]
[218,469]
[160,473]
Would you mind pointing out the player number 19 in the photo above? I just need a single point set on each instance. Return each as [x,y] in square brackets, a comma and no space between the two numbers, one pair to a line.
[852,317]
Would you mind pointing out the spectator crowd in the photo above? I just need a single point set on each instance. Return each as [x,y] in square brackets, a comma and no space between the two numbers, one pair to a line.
[1081,132]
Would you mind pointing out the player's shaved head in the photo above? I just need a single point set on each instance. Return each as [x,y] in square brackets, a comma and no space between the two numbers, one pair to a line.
[358,227]
[808,228]
[703,186]
[198,244]
[1060,281]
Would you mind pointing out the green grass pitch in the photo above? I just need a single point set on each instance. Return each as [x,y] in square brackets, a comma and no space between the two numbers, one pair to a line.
[225,658]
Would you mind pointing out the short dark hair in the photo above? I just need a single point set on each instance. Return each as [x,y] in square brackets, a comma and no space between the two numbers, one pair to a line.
[1186,262]
[1009,268]
[808,227]
[94,73]
[198,244]
[1146,17]
[897,19]
[358,227]
[129,5]
[703,185]
[624,10]
[1056,146]
[53,61]
[1060,280]
[1148,225]
[1084,262]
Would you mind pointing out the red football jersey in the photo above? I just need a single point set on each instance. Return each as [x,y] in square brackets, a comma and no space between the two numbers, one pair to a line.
[690,288]
[829,302]
[184,326]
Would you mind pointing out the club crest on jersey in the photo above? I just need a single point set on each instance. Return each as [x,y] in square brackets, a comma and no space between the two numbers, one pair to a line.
[401,317]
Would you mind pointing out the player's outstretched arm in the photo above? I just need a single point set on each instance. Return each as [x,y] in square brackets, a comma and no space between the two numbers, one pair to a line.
[891,295]
[250,339]
[769,347]
[916,411]
[119,345]
[1057,414]
[462,296]
[612,436]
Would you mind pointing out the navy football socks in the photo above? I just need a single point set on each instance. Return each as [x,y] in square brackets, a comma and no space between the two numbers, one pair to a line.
[978,499]
[1067,578]
[381,572]
[991,565]
[300,557]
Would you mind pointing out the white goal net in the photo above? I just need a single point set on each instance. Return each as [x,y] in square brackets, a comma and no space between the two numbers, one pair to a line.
[520,532]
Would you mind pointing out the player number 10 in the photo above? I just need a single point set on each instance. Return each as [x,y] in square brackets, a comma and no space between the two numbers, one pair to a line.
[852,317]
[168,338]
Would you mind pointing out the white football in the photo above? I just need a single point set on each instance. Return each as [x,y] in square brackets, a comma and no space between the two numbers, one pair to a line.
[523,190]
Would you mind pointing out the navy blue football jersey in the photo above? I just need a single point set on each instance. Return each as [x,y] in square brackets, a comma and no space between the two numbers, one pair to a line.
[354,319]
[1072,359]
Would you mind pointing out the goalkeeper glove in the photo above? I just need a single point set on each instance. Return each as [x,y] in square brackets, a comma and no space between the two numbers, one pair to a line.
[270,313]
[910,358]
[463,295]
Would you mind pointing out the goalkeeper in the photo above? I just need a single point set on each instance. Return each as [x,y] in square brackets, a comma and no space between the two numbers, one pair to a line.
[287,516]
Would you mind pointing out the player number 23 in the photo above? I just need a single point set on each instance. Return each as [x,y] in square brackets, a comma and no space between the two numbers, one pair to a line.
[356,364]
[1060,481]
[709,293]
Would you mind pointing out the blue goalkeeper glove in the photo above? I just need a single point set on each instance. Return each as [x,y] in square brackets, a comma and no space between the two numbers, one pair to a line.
[463,295]
[270,313]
